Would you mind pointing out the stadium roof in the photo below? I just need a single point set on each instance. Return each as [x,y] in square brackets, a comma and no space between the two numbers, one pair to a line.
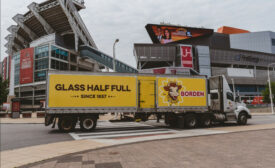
[52,16]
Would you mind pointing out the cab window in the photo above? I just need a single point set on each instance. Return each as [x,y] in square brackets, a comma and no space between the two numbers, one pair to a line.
[229,96]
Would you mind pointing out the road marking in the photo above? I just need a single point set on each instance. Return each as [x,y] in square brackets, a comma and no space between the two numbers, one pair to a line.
[126,132]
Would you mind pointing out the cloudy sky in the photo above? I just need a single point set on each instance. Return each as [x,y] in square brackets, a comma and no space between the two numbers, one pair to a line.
[126,19]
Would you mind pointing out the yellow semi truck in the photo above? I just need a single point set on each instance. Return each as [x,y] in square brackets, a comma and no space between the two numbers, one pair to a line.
[187,101]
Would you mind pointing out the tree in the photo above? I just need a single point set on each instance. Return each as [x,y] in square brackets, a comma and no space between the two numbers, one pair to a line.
[4,84]
[265,93]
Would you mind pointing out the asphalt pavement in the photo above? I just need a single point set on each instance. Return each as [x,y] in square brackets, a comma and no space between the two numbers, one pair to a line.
[15,136]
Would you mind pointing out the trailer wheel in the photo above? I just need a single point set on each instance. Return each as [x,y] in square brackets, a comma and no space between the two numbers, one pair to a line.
[88,123]
[242,120]
[206,121]
[191,121]
[66,124]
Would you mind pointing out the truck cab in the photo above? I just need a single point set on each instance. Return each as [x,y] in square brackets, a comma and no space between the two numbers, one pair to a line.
[223,104]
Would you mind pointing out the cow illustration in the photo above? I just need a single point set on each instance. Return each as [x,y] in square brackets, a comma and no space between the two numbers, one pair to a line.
[173,92]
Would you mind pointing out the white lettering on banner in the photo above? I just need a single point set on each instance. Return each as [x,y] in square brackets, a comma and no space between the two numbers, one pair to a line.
[186,53]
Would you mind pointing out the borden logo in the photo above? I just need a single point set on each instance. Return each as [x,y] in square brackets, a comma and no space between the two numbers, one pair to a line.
[192,94]
[173,91]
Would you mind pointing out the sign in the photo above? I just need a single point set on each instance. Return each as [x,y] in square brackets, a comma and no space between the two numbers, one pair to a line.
[258,100]
[91,91]
[164,34]
[26,65]
[182,92]
[159,71]
[186,56]
[240,72]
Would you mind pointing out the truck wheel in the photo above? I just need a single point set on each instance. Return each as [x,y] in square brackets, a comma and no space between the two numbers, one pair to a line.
[88,123]
[66,124]
[191,121]
[206,121]
[242,120]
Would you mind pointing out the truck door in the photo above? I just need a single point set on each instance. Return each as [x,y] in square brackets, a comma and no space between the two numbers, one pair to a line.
[229,101]
[216,94]
[221,96]
[147,94]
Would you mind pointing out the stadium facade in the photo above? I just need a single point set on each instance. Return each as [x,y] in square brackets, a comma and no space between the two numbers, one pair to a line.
[242,56]
[50,36]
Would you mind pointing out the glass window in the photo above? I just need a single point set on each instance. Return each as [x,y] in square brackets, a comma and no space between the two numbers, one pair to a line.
[41,52]
[58,65]
[16,59]
[273,42]
[73,58]
[229,96]
[41,64]
[39,76]
[59,53]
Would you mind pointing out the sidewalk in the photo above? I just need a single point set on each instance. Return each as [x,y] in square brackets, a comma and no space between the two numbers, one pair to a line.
[23,156]
[246,150]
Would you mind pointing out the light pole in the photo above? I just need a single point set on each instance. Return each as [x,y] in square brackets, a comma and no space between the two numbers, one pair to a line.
[234,93]
[270,91]
[114,55]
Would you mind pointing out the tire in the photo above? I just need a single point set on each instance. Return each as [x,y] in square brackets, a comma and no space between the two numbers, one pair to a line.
[242,119]
[88,123]
[206,121]
[66,124]
[191,121]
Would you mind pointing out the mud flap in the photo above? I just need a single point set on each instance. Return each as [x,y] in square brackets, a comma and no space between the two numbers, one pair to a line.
[48,120]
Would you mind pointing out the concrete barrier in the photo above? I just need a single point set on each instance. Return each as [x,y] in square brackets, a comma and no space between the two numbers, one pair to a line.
[27,114]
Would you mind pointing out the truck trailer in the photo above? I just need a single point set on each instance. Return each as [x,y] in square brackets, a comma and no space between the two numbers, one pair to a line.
[184,101]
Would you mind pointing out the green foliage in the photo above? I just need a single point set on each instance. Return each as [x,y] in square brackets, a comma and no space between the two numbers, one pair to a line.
[265,93]
[3,90]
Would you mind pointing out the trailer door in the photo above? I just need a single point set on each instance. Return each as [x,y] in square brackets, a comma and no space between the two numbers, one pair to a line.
[146,94]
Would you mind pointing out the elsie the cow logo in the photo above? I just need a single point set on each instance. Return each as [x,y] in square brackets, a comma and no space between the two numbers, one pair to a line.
[173,92]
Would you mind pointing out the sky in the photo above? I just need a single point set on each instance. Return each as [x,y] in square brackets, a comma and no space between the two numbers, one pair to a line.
[108,20]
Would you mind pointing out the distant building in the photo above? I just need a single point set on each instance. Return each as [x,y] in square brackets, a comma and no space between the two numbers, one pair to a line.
[256,41]
[231,30]
[243,58]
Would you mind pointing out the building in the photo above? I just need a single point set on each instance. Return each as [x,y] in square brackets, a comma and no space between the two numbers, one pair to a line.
[50,36]
[256,41]
[241,56]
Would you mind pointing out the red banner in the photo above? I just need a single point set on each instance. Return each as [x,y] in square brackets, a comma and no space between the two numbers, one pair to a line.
[26,65]
[186,56]
[159,71]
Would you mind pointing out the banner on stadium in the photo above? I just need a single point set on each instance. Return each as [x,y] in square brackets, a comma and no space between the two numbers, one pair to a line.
[26,65]
[186,56]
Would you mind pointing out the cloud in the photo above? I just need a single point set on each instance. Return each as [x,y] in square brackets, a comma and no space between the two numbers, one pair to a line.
[126,19]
